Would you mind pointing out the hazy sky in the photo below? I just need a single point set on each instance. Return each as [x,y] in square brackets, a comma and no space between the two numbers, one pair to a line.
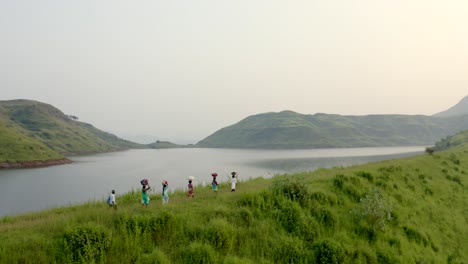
[180,70]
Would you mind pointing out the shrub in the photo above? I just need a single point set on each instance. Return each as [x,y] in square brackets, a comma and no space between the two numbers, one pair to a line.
[236,260]
[86,244]
[293,189]
[364,256]
[309,230]
[244,217]
[290,216]
[456,179]
[322,198]
[374,209]
[366,233]
[454,159]
[220,234]
[414,235]
[338,182]
[289,250]
[163,226]
[429,150]
[326,251]
[325,217]
[155,257]
[365,175]
[197,252]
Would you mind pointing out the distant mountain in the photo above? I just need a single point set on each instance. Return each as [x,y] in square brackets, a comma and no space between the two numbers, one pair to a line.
[138,138]
[31,130]
[288,129]
[166,144]
[457,110]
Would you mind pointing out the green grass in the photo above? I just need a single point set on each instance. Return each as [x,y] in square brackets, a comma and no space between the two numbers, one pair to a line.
[334,215]
[31,130]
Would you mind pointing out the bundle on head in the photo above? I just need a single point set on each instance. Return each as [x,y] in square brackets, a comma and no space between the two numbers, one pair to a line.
[144,182]
[214,174]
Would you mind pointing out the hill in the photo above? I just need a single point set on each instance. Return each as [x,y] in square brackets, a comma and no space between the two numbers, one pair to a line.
[457,110]
[460,139]
[159,144]
[31,130]
[288,129]
[410,210]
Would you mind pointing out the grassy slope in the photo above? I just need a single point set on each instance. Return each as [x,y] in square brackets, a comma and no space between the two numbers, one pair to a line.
[17,145]
[458,139]
[257,225]
[48,129]
[292,130]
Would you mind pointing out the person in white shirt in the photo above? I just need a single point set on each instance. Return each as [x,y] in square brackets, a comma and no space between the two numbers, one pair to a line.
[111,200]
[233,181]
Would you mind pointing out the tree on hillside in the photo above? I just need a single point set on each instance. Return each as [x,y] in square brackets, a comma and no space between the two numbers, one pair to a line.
[72,117]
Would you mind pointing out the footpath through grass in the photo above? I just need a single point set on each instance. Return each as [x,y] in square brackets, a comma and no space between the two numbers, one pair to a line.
[412,210]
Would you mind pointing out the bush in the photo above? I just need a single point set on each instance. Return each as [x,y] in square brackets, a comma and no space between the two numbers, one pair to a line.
[155,257]
[289,250]
[325,217]
[322,198]
[326,251]
[86,244]
[244,217]
[338,182]
[414,235]
[293,189]
[236,260]
[290,216]
[220,234]
[374,209]
[365,175]
[197,252]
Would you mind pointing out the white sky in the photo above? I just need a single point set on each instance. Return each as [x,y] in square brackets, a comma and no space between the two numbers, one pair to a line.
[181,70]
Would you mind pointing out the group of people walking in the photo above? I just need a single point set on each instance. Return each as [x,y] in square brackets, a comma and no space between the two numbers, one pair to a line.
[165,196]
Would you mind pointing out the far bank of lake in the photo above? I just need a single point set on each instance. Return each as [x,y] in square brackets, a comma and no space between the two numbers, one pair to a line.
[92,177]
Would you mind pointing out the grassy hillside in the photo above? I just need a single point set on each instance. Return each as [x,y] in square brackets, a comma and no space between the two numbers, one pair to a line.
[16,145]
[460,139]
[43,132]
[412,210]
[292,130]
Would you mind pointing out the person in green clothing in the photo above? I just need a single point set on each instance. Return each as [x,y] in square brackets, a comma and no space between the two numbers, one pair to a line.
[144,192]
[214,183]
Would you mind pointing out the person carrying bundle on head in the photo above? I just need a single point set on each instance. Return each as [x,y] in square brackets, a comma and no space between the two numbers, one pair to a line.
[144,192]
[214,183]
[165,196]
[191,192]
[233,181]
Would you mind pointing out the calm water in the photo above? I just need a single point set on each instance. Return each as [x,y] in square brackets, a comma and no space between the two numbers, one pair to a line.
[92,177]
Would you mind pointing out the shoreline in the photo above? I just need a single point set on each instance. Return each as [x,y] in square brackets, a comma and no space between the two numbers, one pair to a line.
[33,163]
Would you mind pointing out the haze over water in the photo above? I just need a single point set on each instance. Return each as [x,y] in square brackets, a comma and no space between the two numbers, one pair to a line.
[92,177]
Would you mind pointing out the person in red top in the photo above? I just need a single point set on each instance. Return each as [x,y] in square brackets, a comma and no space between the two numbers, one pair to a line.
[190,189]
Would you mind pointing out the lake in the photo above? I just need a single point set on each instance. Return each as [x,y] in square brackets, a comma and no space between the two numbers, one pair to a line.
[92,177]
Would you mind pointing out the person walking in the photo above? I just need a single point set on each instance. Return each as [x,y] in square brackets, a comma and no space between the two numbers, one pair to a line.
[144,192]
[233,181]
[191,192]
[214,183]
[165,196]
[111,200]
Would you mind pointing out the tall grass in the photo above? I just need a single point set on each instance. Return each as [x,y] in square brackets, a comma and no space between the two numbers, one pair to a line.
[411,210]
